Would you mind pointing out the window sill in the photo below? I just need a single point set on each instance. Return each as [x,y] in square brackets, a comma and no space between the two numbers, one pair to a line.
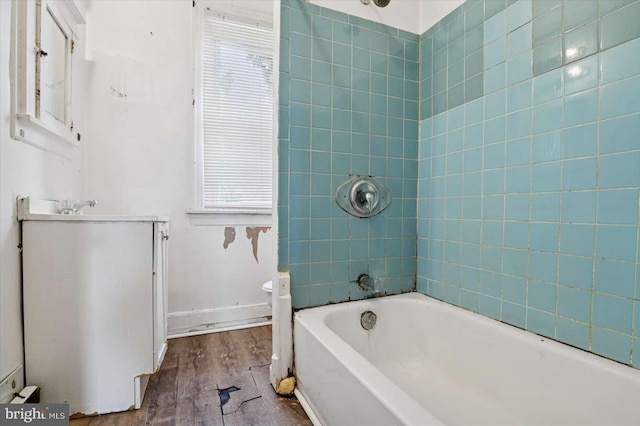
[200,217]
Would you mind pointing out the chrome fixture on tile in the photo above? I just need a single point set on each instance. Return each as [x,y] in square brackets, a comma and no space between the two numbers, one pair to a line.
[363,196]
[379,3]
[367,283]
[368,320]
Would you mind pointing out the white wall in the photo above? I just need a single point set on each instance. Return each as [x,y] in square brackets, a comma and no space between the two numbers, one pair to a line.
[24,170]
[432,11]
[401,14]
[415,16]
[139,158]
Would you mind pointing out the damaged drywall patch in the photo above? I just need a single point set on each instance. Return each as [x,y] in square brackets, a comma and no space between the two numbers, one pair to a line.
[253,233]
[229,236]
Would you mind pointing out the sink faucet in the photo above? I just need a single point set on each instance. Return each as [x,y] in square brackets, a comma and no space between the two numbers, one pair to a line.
[74,206]
[367,283]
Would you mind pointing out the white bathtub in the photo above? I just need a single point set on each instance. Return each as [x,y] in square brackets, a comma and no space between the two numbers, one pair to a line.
[429,363]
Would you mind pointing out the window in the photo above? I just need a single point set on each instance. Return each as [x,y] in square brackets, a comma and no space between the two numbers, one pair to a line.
[234,114]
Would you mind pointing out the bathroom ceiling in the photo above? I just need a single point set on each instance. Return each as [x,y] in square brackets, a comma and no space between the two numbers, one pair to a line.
[260,10]
[415,16]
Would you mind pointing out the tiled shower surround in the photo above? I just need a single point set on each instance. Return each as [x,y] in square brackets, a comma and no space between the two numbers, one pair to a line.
[528,168]
[348,105]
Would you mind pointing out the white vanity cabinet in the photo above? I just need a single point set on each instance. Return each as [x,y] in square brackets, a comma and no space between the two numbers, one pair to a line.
[160,280]
[95,307]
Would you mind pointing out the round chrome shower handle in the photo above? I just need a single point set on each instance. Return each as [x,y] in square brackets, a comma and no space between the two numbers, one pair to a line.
[363,196]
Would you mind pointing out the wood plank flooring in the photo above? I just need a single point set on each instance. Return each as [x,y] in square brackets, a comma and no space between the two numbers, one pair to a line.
[185,391]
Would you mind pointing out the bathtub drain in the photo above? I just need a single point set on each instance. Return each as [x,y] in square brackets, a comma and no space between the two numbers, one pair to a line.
[368,320]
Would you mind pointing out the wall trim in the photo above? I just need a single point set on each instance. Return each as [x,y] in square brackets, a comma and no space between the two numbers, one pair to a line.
[241,326]
[208,320]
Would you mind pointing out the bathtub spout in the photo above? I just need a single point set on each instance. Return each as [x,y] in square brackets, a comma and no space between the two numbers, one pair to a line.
[367,283]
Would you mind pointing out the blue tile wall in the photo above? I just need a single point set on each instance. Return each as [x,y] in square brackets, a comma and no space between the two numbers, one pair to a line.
[348,106]
[529,177]
[526,180]
[484,46]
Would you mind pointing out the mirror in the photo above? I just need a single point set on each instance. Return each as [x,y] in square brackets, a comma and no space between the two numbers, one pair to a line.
[52,69]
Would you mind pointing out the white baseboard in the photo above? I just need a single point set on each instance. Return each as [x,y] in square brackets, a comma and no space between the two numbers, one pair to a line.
[241,326]
[11,384]
[208,320]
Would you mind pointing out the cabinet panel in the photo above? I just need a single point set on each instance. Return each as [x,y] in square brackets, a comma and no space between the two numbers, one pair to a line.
[88,308]
[161,247]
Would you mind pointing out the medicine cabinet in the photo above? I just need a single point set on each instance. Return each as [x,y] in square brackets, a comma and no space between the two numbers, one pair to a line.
[45,39]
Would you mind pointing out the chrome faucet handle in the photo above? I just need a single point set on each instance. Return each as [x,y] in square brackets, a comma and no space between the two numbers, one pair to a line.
[363,196]
[79,205]
[74,206]
[369,197]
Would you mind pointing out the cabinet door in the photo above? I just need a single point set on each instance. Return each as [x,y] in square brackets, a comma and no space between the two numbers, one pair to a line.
[87,311]
[160,257]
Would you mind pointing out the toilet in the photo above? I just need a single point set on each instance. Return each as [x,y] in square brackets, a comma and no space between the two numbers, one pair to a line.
[268,289]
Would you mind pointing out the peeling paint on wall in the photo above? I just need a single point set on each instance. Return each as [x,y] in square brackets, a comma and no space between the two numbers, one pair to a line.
[252,234]
[229,236]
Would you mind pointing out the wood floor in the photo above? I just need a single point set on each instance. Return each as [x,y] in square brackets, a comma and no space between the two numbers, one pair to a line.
[186,389]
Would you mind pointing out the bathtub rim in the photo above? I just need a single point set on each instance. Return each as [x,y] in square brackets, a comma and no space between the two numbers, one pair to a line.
[521,333]
[360,367]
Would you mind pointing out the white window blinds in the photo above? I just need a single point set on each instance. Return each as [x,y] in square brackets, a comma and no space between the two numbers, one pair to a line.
[237,111]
